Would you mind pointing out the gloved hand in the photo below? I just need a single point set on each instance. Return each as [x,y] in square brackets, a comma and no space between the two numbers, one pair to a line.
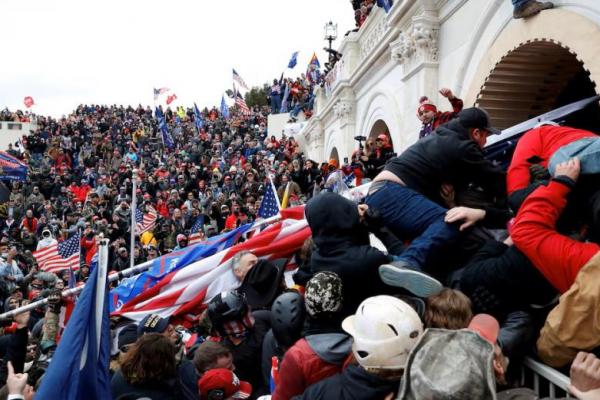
[55,301]
[538,172]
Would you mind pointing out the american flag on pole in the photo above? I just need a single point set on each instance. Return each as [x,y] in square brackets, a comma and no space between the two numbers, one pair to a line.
[239,80]
[239,101]
[187,290]
[145,221]
[57,257]
[196,233]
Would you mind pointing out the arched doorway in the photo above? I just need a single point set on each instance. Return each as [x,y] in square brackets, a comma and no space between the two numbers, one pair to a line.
[380,128]
[334,154]
[534,78]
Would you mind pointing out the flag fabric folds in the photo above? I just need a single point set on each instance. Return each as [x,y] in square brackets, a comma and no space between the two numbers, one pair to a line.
[79,368]
[130,287]
[196,231]
[241,103]
[188,289]
[57,257]
[293,60]
[158,92]
[162,125]
[385,4]
[28,101]
[171,99]
[269,205]
[11,168]
[198,118]
[237,78]
[314,61]
[145,221]
[224,108]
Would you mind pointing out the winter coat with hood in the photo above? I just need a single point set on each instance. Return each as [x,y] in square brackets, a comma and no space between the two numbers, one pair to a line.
[354,383]
[342,246]
[311,360]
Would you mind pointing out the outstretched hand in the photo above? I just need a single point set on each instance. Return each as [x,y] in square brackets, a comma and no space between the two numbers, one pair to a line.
[469,216]
[570,169]
[447,93]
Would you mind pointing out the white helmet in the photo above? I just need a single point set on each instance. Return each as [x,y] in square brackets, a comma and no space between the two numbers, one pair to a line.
[385,329]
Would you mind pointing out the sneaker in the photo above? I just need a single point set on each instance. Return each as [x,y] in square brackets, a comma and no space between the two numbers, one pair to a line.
[532,8]
[416,282]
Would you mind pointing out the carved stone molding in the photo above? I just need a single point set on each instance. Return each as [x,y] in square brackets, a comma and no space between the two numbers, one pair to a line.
[373,36]
[343,109]
[417,43]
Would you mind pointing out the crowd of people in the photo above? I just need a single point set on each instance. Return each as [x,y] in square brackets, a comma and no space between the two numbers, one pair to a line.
[17,116]
[287,95]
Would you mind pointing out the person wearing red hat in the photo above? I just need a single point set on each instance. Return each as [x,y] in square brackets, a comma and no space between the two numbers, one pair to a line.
[429,115]
[223,384]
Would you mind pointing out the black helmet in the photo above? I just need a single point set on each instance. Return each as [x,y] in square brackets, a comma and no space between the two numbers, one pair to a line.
[227,306]
[287,318]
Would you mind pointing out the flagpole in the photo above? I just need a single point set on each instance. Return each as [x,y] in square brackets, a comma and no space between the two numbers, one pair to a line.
[133,223]
[113,277]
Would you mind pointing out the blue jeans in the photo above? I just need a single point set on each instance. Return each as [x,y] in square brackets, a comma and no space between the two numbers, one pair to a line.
[519,3]
[408,213]
[275,104]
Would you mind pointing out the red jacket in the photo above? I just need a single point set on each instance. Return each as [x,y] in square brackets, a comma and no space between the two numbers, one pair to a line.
[300,368]
[557,257]
[543,143]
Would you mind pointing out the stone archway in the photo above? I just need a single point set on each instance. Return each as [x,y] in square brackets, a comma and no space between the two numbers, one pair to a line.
[524,43]
[380,128]
[334,154]
[534,78]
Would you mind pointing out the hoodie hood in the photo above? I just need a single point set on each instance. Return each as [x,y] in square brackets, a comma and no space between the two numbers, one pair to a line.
[332,348]
[334,220]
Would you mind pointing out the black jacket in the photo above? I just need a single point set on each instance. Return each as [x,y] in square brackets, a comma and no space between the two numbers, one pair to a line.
[354,383]
[342,246]
[449,156]
[500,279]
[157,391]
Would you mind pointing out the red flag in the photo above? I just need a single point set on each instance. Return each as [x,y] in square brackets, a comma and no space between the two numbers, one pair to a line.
[28,101]
[171,98]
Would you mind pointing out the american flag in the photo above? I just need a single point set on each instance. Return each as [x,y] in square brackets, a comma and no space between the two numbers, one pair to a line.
[239,101]
[145,222]
[270,204]
[196,233]
[158,92]
[59,256]
[239,80]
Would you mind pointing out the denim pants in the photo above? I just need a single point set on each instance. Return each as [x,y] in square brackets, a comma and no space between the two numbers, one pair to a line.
[275,104]
[408,213]
[519,3]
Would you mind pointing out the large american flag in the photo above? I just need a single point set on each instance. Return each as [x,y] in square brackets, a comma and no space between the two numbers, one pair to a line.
[196,231]
[57,257]
[239,101]
[145,222]
[239,80]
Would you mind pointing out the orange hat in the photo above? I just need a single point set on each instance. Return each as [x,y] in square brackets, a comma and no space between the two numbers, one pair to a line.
[333,163]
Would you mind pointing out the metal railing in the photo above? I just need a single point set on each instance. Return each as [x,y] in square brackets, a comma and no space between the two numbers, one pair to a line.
[544,380]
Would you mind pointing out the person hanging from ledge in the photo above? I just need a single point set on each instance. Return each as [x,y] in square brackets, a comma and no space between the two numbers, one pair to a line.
[429,115]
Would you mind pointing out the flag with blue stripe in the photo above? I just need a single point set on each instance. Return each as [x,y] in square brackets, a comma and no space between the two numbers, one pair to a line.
[132,286]
[293,60]
[79,368]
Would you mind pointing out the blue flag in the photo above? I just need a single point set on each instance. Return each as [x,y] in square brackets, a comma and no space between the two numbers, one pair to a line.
[131,287]
[79,368]
[198,118]
[385,4]
[224,108]
[162,125]
[293,60]
[12,169]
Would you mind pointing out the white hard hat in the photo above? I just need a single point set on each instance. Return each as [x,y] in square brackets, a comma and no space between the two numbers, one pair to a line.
[385,329]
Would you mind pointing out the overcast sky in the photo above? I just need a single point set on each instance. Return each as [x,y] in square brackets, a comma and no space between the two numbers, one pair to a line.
[67,52]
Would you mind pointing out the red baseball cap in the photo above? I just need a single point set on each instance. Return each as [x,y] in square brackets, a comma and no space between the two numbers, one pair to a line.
[225,380]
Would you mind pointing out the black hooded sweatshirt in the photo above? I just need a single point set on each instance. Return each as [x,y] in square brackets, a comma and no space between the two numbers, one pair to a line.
[342,246]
